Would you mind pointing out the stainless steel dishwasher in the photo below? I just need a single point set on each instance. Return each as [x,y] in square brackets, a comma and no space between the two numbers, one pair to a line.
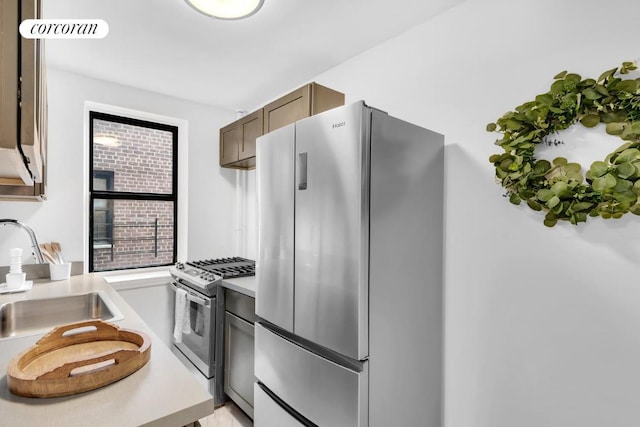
[239,318]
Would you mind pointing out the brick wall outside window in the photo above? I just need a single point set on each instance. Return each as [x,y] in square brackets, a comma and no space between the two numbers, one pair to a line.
[142,229]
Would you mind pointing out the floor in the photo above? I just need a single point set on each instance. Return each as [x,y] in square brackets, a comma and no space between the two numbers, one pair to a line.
[228,415]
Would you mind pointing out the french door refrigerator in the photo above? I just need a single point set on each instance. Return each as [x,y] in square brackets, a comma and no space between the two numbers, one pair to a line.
[349,296]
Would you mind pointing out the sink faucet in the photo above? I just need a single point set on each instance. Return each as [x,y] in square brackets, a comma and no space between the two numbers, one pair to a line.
[37,253]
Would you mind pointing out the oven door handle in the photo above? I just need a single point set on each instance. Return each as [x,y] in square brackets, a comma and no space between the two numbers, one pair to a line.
[191,297]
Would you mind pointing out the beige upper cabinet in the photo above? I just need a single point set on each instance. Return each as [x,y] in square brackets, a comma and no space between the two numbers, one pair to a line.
[229,143]
[23,105]
[238,139]
[251,128]
[304,102]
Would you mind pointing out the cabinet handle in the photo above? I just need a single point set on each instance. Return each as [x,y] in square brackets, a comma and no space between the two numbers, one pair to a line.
[302,171]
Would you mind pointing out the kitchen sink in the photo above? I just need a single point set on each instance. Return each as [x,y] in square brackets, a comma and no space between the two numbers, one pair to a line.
[28,317]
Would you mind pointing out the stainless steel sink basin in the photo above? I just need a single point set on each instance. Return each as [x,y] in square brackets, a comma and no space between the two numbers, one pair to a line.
[27,317]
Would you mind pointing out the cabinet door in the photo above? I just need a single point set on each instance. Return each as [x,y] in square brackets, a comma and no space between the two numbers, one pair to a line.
[251,128]
[13,170]
[155,304]
[238,362]
[229,143]
[30,117]
[288,109]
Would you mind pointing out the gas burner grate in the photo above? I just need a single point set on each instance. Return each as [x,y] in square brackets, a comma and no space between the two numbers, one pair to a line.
[227,267]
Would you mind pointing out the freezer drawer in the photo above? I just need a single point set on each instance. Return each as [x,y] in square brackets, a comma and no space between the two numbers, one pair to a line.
[324,392]
[267,413]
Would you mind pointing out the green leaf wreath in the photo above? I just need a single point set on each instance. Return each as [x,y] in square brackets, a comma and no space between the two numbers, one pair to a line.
[610,188]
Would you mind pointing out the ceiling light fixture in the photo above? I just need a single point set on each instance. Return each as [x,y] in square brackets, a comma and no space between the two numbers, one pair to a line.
[226,9]
[106,140]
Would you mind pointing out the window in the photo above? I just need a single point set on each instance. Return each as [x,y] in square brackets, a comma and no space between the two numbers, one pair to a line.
[133,193]
[103,211]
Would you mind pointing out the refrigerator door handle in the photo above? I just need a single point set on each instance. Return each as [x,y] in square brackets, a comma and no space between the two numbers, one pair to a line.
[302,171]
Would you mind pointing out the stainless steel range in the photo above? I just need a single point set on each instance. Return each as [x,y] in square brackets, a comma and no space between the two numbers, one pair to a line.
[203,276]
[200,309]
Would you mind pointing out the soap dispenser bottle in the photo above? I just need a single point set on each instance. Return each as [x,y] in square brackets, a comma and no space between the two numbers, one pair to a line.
[16,277]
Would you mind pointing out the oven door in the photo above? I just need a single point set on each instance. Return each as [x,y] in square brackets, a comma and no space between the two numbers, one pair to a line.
[198,344]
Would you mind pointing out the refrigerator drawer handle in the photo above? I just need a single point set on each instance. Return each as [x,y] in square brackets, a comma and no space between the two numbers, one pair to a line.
[302,171]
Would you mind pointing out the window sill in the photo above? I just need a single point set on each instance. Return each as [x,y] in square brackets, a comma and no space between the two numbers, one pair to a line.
[131,279]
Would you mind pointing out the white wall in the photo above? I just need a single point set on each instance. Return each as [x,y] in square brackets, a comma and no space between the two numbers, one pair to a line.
[541,324]
[60,218]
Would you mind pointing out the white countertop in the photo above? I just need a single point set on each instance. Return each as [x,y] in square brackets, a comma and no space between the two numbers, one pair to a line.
[244,285]
[161,393]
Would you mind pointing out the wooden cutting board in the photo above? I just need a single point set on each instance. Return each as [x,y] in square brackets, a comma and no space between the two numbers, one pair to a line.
[77,357]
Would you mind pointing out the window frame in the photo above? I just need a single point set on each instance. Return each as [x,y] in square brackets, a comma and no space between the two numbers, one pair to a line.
[124,195]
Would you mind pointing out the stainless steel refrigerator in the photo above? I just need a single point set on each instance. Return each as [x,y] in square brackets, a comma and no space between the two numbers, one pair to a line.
[349,297]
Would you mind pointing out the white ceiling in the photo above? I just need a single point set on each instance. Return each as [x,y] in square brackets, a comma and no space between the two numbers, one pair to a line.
[165,46]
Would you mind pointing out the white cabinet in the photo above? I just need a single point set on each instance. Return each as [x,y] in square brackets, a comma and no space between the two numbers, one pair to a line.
[154,304]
